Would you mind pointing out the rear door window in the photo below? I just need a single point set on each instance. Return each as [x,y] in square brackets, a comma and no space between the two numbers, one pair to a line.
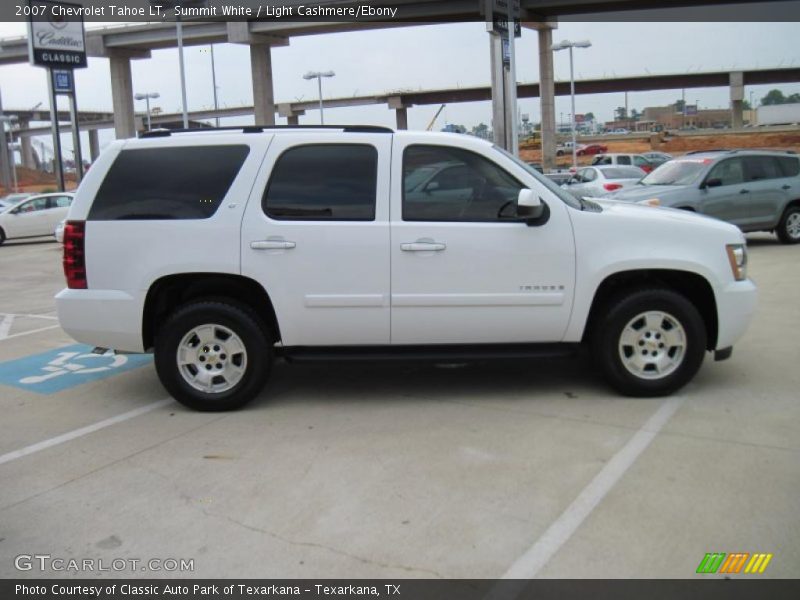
[790,166]
[331,182]
[623,160]
[179,182]
[759,168]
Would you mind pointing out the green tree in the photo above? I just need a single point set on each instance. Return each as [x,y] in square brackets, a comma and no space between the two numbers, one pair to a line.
[773,97]
[589,116]
[620,114]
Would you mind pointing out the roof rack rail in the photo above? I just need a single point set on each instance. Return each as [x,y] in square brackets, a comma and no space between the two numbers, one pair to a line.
[262,128]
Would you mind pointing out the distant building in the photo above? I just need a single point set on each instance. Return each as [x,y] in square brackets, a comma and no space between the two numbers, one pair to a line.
[672,117]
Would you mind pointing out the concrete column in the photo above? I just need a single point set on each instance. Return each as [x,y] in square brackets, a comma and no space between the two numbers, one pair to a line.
[547,98]
[94,145]
[737,99]
[26,147]
[263,94]
[5,156]
[122,96]
[498,90]
[401,114]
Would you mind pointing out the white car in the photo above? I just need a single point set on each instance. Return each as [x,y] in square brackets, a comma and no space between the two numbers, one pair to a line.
[59,232]
[240,247]
[34,217]
[602,180]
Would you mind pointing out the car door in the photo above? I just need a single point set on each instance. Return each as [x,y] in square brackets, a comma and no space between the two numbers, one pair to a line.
[729,200]
[768,190]
[316,236]
[28,219]
[479,274]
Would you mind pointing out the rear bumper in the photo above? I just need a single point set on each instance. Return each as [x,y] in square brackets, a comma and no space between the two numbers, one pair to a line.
[736,305]
[106,318]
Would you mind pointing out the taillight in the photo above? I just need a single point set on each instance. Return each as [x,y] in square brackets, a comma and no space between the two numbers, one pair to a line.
[74,254]
[610,187]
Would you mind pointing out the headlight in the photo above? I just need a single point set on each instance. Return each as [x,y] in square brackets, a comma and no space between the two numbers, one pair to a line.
[737,256]
[650,202]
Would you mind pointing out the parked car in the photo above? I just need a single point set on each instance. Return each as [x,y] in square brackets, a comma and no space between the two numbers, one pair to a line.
[627,160]
[754,190]
[602,180]
[560,177]
[590,149]
[621,131]
[34,217]
[320,253]
[657,158]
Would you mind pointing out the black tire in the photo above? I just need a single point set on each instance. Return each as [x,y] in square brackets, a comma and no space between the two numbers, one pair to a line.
[784,235]
[622,310]
[2,236]
[239,320]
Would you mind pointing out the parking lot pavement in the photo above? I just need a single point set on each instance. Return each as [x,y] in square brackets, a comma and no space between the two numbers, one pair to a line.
[519,469]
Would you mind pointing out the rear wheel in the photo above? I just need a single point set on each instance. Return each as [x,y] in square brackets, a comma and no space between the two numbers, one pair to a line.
[213,356]
[789,228]
[649,342]
[2,236]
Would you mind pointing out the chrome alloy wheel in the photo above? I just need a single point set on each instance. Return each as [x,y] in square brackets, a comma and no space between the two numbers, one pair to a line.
[211,358]
[793,225]
[652,345]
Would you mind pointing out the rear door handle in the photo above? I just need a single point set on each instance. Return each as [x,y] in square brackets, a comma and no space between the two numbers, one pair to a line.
[786,187]
[272,245]
[420,246]
[744,191]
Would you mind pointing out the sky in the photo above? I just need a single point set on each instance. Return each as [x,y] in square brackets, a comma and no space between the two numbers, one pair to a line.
[432,56]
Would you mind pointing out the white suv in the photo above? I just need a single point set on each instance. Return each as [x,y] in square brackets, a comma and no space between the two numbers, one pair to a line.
[220,251]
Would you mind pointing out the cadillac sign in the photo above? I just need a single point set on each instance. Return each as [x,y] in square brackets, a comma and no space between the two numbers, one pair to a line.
[55,40]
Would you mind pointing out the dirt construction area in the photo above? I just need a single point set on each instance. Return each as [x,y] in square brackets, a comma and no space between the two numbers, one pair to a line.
[521,469]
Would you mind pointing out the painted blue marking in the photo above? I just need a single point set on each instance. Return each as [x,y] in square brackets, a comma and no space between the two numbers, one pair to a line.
[66,367]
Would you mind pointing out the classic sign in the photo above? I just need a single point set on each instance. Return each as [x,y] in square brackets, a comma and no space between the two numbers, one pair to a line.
[55,37]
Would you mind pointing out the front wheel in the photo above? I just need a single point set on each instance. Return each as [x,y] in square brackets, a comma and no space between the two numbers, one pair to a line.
[789,227]
[213,356]
[649,342]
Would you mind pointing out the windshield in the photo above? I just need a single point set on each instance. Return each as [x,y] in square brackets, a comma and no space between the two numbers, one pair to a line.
[677,172]
[565,196]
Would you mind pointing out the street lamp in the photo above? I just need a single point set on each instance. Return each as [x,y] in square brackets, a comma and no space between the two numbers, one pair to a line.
[566,44]
[10,119]
[318,75]
[146,97]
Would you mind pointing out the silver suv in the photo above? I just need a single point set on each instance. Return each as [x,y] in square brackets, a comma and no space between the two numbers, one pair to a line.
[753,189]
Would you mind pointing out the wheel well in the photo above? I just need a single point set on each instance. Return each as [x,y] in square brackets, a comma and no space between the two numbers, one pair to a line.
[170,292]
[692,286]
[792,204]
[689,208]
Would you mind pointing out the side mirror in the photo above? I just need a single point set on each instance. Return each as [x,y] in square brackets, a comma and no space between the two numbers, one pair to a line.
[432,186]
[530,207]
[715,182]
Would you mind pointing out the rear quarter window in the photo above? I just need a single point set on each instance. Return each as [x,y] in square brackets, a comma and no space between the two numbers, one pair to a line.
[790,166]
[184,182]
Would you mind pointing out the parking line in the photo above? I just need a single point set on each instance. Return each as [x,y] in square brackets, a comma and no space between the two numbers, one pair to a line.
[529,564]
[20,334]
[76,433]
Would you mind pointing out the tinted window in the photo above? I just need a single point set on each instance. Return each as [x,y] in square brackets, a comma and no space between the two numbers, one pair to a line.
[476,190]
[331,182]
[623,160]
[601,160]
[790,167]
[729,172]
[167,183]
[762,167]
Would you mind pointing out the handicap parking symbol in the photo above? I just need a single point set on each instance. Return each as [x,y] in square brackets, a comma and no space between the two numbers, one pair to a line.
[66,367]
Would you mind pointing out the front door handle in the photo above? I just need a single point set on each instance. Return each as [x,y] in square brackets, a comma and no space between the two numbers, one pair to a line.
[422,246]
[272,245]
[744,191]
[786,187]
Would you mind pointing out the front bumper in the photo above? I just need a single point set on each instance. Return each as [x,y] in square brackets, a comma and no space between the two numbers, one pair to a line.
[736,306]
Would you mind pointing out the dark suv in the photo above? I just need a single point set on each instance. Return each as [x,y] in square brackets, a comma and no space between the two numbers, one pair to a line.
[754,189]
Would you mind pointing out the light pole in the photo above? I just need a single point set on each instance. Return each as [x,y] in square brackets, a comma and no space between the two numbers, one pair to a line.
[318,75]
[567,45]
[146,97]
[214,84]
[10,119]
